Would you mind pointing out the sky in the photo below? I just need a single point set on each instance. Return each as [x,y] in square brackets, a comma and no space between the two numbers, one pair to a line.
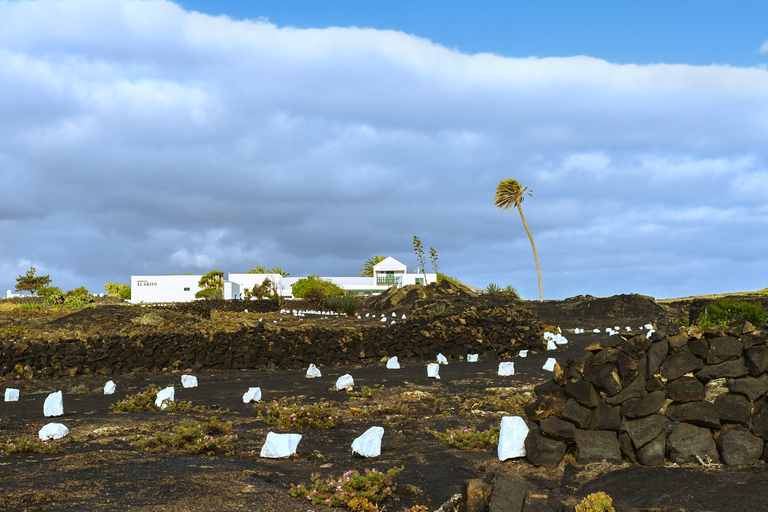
[147,137]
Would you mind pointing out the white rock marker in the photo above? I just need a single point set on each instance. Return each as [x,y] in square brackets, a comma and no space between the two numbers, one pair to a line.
[164,396]
[506,369]
[278,446]
[433,370]
[313,372]
[189,381]
[345,382]
[471,358]
[550,364]
[52,431]
[11,395]
[369,444]
[551,345]
[54,405]
[441,359]
[109,388]
[523,353]
[252,395]
[512,436]
[393,364]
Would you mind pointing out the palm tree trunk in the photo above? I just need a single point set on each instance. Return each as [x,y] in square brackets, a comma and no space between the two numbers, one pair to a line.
[538,269]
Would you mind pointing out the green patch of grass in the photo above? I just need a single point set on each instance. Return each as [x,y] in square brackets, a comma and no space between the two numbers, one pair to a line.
[352,490]
[28,445]
[468,438]
[208,438]
[719,312]
[289,414]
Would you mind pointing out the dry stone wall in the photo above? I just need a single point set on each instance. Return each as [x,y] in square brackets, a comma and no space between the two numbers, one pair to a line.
[492,333]
[682,395]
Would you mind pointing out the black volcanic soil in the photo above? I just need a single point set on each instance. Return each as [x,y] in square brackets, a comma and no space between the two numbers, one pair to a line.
[98,469]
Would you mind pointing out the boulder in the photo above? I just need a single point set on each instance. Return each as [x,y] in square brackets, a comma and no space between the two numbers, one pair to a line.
[476,495]
[278,446]
[392,363]
[756,360]
[752,387]
[576,413]
[558,429]
[655,357]
[345,382]
[188,381]
[677,365]
[582,391]
[597,446]
[369,444]
[605,417]
[441,359]
[688,441]
[512,436]
[164,397]
[110,388]
[11,395]
[53,405]
[650,403]
[252,395]
[703,414]
[549,403]
[734,368]
[652,454]
[472,358]
[635,389]
[699,347]
[53,431]
[644,430]
[733,408]
[686,389]
[724,348]
[738,446]
[606,378]
[313,372]
[543,451]
[508,495]
[433,370]
[626,447]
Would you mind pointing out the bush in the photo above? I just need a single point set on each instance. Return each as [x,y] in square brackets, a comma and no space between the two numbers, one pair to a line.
[314,288]
[48,291]
[492,289]
[720,311]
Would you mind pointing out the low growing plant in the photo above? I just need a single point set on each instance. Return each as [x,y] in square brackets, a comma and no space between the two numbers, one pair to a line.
[351,490]
[720,311]
[145,402]
[596,502]
[208,438]
[28,445]
[349,304]
[468,438]
[288,414]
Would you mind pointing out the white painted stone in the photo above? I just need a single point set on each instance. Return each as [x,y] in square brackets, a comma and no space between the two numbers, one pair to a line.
[512,436]
[596,331]
[393,364]
[383,319]
[393,314]
[648,327]
[472,358]
[441,359]
[54,405]
[392,322]
[278,446]
[345,382]
[369,444]
[433,370]
[523,353]
[313,372]
[550,364]
[506,369]
[164,396]
[551,345]
[559,330]
[403,317]
[52,431]
[11,395]
[189,381]
[109,388]
[252,395]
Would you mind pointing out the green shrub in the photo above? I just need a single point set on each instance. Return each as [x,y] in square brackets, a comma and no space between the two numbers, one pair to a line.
[511,290]
[288,414]
[351,490]
[27,445]
[492,289]
[314,288]
[596,502]
[720,311]
[332,301]
[48,291]
[145,402]
[442,277]
[349,304]
[209,438]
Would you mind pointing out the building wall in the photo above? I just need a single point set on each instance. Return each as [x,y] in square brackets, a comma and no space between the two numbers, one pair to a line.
[164,288]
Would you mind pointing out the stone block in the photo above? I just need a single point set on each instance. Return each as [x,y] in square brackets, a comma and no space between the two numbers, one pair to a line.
[756,360]
[543,451]
[441,359]
[655,357]
[699,347]
[188,381]
[512,434]
[11,395]
[733,408]
[433,370]
[549,365]
[472,358]
[53,431]
[652,454]
[738,446]
[110,388]
[605,417]
[626,447]
[582,391]
[606,378]
[164,397]
[635,389]
[558,429]
[724,348]
[686,389]
[597,446]
[369,444]
[278,446]
[703,414]
[476,495]
[53,405]
[506,369]
[576,413]
[252,395]
[654,384]
[677,365]
[752,387]
[345,382]
[508,495]
[650,403]
[731,369]
[313,372]
[644,430]
[687,441]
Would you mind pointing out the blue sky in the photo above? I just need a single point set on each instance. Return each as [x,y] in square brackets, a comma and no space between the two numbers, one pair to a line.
[152,137]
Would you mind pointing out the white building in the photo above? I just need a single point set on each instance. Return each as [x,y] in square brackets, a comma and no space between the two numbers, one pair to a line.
[182,288]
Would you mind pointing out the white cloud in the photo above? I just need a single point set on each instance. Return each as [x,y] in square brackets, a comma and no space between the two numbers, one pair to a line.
[764,47]
[141,138]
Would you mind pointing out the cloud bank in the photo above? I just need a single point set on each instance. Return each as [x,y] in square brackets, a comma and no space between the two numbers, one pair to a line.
[139,138]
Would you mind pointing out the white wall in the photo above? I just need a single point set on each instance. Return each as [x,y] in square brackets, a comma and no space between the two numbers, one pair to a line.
[164,288]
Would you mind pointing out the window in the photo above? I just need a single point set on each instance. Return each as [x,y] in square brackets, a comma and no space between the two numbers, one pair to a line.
[419,280]
[186,288]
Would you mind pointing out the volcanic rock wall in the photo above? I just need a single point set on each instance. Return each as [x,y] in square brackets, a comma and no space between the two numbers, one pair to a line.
[678,395]
[495,333]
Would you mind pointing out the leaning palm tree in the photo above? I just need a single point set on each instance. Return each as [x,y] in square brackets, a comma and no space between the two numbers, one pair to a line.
[510,195]
[367,269]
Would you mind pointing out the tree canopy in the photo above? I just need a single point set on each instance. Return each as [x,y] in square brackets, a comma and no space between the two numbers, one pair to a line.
[31,283]
[367,269]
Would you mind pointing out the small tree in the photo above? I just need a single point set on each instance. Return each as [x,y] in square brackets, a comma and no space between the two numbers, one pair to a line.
[260,269]
[212,286]
[31,283]
[433,257]
[367,269]
[419,250]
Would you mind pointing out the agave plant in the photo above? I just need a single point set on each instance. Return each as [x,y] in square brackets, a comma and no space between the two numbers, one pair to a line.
[492,288]
[349,304]
[596,502]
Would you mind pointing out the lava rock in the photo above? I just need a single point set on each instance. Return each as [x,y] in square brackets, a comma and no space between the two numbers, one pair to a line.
[685,389]
[723,349]
[677,365]
[543,451]
[688,441]
[703,414]
[733,408]
[752,387]
[508,495]
[652,454]
[733,368]
[597,446]
[644,430]
[476,495]
[738,445]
